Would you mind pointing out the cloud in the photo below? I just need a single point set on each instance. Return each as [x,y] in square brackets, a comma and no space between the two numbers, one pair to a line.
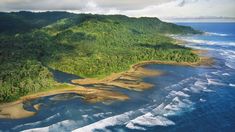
[76,4]
[187,8]
[137,8]
[184,2]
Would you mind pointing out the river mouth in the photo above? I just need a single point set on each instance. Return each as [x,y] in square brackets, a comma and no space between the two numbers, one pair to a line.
[184,98]
[55,107]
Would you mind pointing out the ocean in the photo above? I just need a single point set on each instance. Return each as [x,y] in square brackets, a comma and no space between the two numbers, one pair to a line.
[195,99]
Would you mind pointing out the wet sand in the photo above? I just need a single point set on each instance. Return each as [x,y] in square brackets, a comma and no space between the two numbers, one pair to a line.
[15,110]
[131,79]
[98,90]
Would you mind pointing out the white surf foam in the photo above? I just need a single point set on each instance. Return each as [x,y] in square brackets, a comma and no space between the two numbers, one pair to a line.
[230,65]
[149,120]
[133,126]
[177,93]
[57,126]
[33,124]
[218,43]
[226,74]
[177,106]
[232,85]
[216,34]
[194,89]
[156,115]
[85,116]
[201,84]
[218,73]
[159,109]
[102,114]
[110,121]
[229,56]
[215,82]
[179,84]
[202,100]
[186,89]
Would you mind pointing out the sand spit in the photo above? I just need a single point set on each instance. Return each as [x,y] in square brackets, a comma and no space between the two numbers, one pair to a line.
[128,80]
[14,110]
[98,90]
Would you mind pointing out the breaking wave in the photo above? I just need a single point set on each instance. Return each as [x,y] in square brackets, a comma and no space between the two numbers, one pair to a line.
[176,102]
[57,126]
[232,85]
[34,124]
[216,34]
[229,56]
[149,120]
[200,41]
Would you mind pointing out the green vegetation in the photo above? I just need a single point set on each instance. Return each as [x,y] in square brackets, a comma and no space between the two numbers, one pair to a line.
[85,45]
[21,22]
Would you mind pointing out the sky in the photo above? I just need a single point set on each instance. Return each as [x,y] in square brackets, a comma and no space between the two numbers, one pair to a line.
[134,8]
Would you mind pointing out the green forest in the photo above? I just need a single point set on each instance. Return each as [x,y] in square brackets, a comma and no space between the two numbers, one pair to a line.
[82,44]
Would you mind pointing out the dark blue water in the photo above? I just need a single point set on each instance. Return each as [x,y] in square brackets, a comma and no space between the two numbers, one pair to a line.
[184,98]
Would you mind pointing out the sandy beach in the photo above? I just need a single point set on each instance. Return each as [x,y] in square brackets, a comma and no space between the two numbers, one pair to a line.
[99,90]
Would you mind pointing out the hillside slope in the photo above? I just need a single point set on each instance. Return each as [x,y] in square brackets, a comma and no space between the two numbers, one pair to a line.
[83,44]
[21,22]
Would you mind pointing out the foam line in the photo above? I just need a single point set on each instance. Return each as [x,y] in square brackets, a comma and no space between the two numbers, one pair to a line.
[216,34]
[110,121]
[149,120]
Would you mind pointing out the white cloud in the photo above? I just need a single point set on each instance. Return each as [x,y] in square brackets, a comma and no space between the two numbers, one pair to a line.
[76,4]
[187,8]
[152,8]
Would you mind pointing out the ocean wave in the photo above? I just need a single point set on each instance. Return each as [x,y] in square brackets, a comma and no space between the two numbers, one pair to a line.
[198,86]
[85,116]
[200,41]
[202,100]
[229,57]
[149,120]
[177,106]
[200,83]
[57,126]
[226,74]
[211,80]
[33,124]
[217,73]
[156,115]
[177,102]
[180,84]
[102,114]
[110,121]
[232,85]
[230,65]
[216,34]
[194,89]
[186,89]
[177,93]
[215,82]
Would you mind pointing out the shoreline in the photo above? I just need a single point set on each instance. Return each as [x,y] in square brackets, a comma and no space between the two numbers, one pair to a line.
[15,110]
[131,79]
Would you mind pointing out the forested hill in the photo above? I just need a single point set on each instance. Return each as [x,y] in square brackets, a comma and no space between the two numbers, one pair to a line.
[23,21]
[82,44]
[20,22]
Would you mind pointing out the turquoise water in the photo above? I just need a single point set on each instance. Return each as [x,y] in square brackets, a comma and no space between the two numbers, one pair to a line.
[183,99]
